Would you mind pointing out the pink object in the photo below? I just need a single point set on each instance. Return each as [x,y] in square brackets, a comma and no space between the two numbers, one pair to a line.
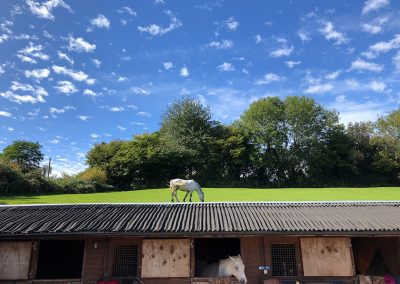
[389,279]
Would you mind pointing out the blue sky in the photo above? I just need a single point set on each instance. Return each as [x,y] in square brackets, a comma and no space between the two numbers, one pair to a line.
[75,73]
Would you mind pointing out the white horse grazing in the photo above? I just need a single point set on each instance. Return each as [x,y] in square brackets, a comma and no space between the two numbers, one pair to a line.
[231,266]
[185,185]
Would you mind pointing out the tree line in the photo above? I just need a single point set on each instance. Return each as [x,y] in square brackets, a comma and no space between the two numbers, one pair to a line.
[276,142]
[291,142]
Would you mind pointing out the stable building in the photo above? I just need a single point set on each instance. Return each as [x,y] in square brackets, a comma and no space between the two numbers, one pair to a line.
[279,242]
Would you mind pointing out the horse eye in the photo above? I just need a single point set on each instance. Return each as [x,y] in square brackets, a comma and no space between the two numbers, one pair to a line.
[237,268]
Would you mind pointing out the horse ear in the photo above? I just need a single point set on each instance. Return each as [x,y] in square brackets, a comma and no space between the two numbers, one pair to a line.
[231,258]
[239,256]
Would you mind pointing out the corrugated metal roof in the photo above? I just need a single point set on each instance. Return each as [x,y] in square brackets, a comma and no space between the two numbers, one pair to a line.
[202,218]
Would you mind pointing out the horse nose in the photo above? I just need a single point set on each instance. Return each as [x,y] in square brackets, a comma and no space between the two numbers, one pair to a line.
[243,281]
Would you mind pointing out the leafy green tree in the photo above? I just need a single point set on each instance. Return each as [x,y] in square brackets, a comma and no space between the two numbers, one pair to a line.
[363,152]
[25,154]
[186,128]
[229,156]
[386,139]
[264,123]
[290,137]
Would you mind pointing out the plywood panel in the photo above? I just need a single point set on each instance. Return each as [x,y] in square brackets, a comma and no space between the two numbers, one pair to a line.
[326,256]
[14,260]
[165,258]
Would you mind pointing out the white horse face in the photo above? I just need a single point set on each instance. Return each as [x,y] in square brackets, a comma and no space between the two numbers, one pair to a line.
[237,268]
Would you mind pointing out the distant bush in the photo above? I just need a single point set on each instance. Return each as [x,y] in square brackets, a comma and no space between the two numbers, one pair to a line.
[75,184]
[39,184]
[11,181]
[94,174]
[14,182]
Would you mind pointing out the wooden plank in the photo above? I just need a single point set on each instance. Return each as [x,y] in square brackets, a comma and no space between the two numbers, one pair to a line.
[327,256]
[166,258]
[252,252]
[14,260]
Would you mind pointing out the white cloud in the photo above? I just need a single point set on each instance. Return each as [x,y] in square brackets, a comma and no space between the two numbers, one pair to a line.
[268,78]
[128,10]
[5,113]
[383,47]
[27,59]
[65,57]
[284,51]
[54,111]
[258,38]
[66,87]
[138,123]
[140,91]
[116,109]
[4,38]
[370,28]
[84,117]
[10,129]
[96,62]
[292,64]
[55,141]
[37,93]
[363,65]
[378,87]
[2,70]
[168,65]
[16,86]
[225,44]
[373,5]
[331,34]
[101,21]
[121,128]
[94,135]
[156,30]
[184,72]
[90,93]
[43,10]
[231,24]
[333,75]
[47,35]
[144,114]
[34,51]
[225,67]
[318,89]
[396,61]
[80,45]
[122,78]
[37,73]
[351,111]
[76,75]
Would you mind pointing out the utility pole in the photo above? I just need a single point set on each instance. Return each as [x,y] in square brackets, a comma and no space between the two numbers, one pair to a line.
[48,170]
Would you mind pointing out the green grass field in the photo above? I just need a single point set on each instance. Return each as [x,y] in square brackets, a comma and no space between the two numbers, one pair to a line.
[216,194]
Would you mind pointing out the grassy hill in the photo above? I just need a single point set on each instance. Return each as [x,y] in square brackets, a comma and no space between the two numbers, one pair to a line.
[216,194]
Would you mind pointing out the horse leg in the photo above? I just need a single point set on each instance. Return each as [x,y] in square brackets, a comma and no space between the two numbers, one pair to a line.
[191,196]
[184,199]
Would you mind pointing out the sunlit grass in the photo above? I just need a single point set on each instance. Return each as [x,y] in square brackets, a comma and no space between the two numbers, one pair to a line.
[216,194]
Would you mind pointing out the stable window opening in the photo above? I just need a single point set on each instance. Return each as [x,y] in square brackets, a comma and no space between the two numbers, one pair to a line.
[284,261]
[208,251]
[60,259]
[125,261]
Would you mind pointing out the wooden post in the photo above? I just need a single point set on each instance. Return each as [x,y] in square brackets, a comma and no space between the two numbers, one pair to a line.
[48,170]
